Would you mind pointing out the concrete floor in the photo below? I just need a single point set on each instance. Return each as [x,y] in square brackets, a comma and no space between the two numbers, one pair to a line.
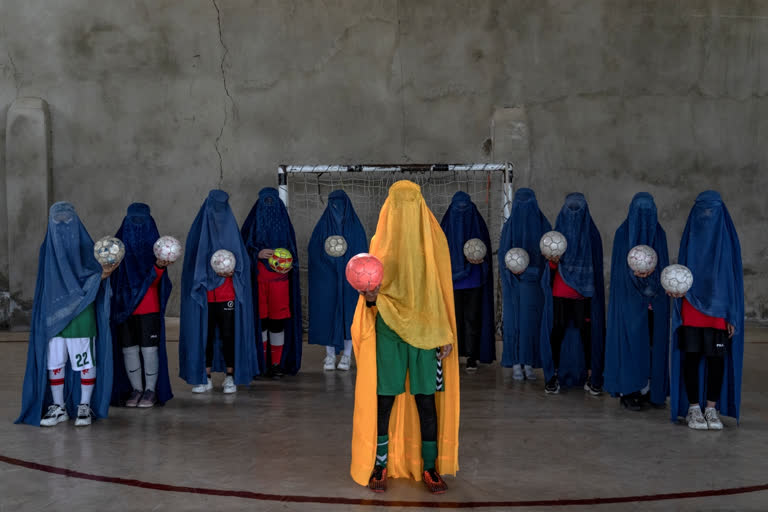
[291,438]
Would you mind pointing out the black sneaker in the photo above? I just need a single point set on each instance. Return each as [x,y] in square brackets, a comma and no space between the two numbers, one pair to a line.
[631,401]
[275,372]
[592,390]
[471,365]
[553,386]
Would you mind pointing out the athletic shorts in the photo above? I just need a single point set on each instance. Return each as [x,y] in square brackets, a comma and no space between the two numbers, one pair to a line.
[395,359]
[143,330]
[275,299]
[79,351]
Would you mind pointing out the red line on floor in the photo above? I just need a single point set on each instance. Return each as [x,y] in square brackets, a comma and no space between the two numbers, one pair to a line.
[378,503]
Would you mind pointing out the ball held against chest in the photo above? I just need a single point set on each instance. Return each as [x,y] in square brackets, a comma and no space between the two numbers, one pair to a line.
[553,244]
[517,260]
[642,259]
[475,249]
[677,279]
[335,246]
[167,248]
[223,261]
[109,250]
[281,261]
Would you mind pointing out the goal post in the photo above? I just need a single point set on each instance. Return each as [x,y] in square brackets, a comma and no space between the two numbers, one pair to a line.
[304,189]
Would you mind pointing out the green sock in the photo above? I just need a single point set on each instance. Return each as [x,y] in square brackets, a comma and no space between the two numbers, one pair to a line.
[429,454]
[382,448]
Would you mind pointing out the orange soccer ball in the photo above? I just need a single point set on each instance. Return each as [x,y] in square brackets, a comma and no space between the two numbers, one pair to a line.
[364,272]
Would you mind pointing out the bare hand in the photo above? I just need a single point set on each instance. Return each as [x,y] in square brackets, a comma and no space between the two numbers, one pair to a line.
[445,351]
[676,295]
[225,274]
[731,330]
[475,262]
[106,270]
[162,263]
[554,259]
[265,254]
[371,295]
[643,275]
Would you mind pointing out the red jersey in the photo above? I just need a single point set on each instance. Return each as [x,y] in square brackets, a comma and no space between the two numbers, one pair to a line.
[560,288]
[224,293]
[692,317]
[151,301]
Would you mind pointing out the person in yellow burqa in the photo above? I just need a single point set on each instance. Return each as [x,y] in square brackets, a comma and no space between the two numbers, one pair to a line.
[406,420]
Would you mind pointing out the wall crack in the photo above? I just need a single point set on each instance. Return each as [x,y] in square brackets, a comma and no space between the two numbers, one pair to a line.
[222,64]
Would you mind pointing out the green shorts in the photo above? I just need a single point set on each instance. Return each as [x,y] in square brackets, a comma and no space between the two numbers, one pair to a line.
[395,358]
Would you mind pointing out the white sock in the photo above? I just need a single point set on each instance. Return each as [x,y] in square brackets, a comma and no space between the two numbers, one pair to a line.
[277,339]
[86,389]
[133,366]
[264,336]
[330,351]
[57,390]
[646,389]
[151,366]
[348,348]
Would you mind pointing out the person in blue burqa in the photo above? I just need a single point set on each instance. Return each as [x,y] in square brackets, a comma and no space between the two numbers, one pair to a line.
[216,327]
[522,293]
[140,291]
[573,319]
[637,338]
[472,282]
[708,321]
[276,296]
[69,361]
[332,301]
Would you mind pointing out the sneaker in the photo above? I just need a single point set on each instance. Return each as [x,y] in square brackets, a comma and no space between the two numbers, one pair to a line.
[345,363]
[592,390]
[202,388]
[275,372]
[434,482]
[83,415]
[695,419]
[517,372]
[148,399]
[378,480]
[631,401]
[553,386]
[529,373]
[55,415]
[471,365]
[329,364]
[135,398]
[713,420]
[229,385]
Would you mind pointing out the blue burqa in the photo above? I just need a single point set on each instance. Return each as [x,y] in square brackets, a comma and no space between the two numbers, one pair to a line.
[68,280]
[630,361]
[581,267]
[461,222]
[523,294]
[710,248]
[215,228]
[332,301]
[268,226]
[130,283]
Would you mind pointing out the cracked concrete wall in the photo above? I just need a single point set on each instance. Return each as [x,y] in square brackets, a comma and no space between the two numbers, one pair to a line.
[159,101]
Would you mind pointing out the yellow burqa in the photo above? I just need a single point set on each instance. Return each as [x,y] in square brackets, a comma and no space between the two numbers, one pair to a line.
[416,301]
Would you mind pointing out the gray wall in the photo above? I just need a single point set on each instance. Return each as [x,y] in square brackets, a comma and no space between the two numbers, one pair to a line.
[161,100]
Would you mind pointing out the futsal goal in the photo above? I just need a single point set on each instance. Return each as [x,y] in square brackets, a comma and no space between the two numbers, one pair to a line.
[305,188]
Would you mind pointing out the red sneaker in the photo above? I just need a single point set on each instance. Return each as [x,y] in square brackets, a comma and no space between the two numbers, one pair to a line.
[378,480]
[434,482]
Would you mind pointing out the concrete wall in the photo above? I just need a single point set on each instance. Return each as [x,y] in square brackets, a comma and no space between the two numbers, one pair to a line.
[161,100]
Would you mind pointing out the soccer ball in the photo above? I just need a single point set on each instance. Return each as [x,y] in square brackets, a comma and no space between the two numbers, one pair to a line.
[223,261]
[642,259]
[109,250]
[281,261]
[167,248]
[335,246]
[474,249]
[677,279]
[553,244]
[517,260]
[364,272]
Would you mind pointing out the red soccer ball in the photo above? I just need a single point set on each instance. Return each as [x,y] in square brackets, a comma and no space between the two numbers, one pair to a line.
[364,272]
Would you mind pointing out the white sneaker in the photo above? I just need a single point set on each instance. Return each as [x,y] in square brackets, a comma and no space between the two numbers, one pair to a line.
[229,384]
[713,420]
[529,373]
[329,364]
[83,415]
[345,363]
[55,415]
[202,388]
[695,419]
[517,372]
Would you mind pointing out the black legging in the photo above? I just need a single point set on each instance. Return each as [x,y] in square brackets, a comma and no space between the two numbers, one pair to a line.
[715,372]
[425,404]
[221,315]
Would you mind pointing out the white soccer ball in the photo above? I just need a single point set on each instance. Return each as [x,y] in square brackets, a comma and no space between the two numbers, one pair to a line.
[517,260]
[109,250]
[223,261]
[475,249]
[167,248]
[335,246]
[642,259]
[553,244]
[677,279]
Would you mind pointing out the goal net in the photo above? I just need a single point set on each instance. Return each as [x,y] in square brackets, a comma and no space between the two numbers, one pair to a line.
[305,189]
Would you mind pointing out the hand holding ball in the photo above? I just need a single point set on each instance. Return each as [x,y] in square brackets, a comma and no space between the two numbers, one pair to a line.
[642,259]
[553,245]
[475,250]
[517,260]
[364,272]
[281,261]
[223,262]
[109,251]
[677,280]
[167,248]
